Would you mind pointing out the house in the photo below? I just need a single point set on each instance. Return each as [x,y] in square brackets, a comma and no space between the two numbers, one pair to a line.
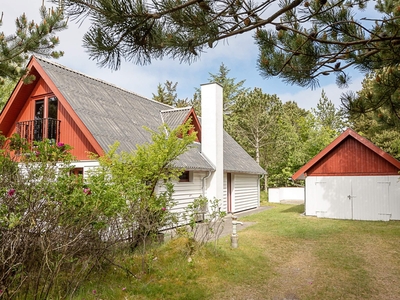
[352,179]
[90,115]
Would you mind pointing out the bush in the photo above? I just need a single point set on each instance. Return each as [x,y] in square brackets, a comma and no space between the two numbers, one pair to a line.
[56,228]
[48,224]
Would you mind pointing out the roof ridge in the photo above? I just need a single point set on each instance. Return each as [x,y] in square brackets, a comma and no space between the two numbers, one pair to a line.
[96,79]
[176,109]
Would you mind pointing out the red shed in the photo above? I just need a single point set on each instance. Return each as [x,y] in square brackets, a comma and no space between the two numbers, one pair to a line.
[352,179]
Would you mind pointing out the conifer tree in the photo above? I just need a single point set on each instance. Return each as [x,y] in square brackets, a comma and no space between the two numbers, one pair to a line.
[374,111]
[299,40]
[232,88]
[5,91]
[167,94]
[29,38]
[330,118]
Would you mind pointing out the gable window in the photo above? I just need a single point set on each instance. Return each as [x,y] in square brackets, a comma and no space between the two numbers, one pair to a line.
[52,123]
[39,116]
[44,124]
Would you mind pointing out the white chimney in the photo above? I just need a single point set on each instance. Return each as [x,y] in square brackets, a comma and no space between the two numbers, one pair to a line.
[212,143]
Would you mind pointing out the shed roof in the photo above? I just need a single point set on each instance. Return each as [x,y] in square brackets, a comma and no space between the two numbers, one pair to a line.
[113,114]
[350,158]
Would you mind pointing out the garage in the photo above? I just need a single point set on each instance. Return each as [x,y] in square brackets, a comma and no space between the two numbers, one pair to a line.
[352,179]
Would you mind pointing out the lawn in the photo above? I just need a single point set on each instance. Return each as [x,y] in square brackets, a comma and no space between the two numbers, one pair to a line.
[285,255]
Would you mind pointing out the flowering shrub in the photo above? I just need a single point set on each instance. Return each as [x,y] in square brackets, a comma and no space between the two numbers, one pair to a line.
[11,192]
[45,225]
[55,228]
[87,191]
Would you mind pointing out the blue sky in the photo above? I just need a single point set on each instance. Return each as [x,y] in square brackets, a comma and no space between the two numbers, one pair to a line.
[239,54]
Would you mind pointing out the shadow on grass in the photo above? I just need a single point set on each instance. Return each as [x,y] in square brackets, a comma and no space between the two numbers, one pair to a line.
[295,209]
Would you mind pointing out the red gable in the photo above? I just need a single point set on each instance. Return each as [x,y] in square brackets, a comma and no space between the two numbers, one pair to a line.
[65,126]
[195,122]
[350,155]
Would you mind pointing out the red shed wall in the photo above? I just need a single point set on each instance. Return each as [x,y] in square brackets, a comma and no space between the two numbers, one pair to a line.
[351,157]
[70,133]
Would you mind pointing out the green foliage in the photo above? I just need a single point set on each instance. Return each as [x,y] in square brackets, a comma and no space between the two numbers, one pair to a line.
[56,228]
[308,40]
[135,178]
[299,41]
[324,38]
[282,137]
[257,123]
[47,224]
[303,135]
[329,117]
[29,38]
[375,110]
[341,252]
[203,221]
[5,91]
[372,126]
[232,89]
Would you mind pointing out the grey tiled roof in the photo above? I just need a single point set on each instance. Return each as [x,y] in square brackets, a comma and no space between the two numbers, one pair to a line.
[114,114]
[174,117]
[237,160]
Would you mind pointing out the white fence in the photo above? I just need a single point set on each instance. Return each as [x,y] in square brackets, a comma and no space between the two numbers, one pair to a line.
[278,195]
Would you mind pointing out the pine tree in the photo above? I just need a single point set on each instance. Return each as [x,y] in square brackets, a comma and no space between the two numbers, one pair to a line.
[330,117]
[232,89]
[29,38]
[5,91]
[374,111]
[253,121]
[299,41]
[167,94]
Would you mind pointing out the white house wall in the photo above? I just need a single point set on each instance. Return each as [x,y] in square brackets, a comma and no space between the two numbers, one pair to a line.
[186,192]
[224,194]
[246,192]
[394,197]
[86,165]
[353,197]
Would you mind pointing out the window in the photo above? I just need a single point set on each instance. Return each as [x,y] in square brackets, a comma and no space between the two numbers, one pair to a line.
[77,171]
[185,177]
[52,121]
[45,121]
[38,125]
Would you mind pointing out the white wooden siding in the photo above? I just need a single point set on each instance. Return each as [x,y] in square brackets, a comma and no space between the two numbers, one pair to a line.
[246,192]
[353,197]
[186,192]
[225,194]
[86,165]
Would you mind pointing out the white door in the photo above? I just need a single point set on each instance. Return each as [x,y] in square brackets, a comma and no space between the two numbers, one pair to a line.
[333,199]
[371,198]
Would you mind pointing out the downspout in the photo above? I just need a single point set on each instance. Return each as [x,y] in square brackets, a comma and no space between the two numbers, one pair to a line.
[203,191]
[203,184]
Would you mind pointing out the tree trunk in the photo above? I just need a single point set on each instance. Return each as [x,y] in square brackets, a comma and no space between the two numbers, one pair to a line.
[266,182]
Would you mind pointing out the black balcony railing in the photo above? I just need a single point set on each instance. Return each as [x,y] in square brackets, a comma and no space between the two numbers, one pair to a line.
[40,129]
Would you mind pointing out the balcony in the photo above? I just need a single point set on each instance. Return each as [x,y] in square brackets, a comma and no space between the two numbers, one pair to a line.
[40,129]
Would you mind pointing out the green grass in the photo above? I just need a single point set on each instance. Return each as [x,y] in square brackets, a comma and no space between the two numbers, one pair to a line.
[284,255]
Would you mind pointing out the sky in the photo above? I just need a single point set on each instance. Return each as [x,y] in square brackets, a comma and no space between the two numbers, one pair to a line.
[239,54]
